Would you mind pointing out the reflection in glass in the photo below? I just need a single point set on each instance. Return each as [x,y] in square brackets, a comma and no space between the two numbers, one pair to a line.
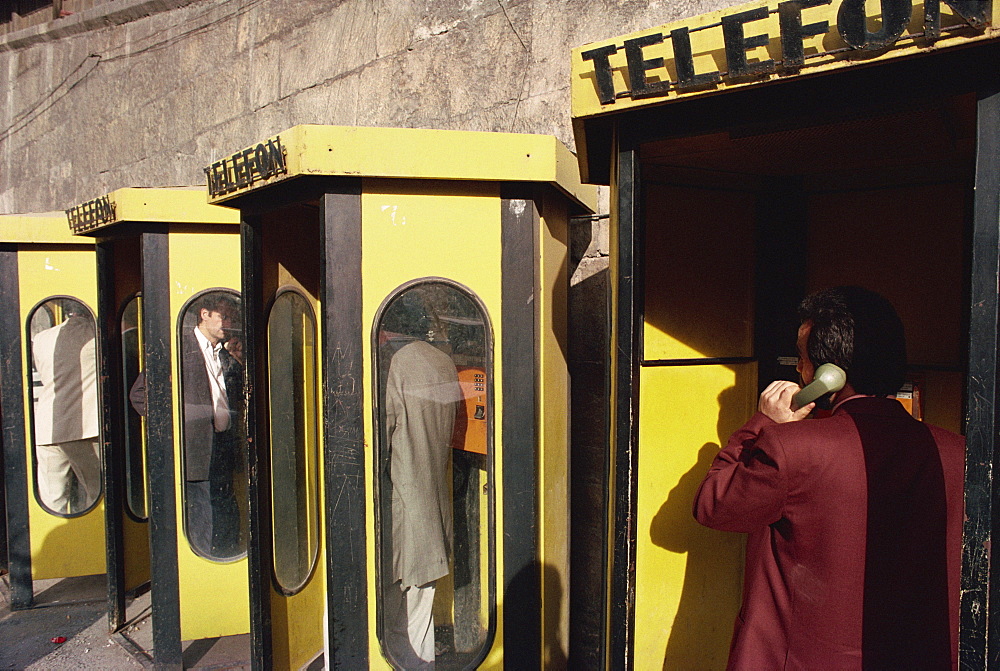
[215,474]
[435,469]
[135,423]
[65,412]
[292,417]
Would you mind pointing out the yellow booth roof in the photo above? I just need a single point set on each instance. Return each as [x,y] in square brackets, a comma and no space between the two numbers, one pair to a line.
[176,205]
[38,228]
[402,153]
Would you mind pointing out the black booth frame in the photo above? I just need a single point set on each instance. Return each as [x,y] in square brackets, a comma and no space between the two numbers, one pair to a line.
[342,338]
[882,87]
[161,514]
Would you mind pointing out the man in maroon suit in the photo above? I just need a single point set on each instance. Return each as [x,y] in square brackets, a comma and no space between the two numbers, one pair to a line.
[853,559]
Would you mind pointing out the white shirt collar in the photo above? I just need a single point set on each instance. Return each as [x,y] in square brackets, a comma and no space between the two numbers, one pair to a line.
[204,343]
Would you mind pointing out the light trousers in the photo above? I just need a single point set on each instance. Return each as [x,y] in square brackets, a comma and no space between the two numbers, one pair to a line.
[410,625]
[56,463]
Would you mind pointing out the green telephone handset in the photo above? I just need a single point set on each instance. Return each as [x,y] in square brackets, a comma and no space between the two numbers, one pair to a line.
[829,378]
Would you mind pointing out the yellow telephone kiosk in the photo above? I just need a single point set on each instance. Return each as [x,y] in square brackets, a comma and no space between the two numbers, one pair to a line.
[168,282]
[50,400]
[405,302]
[757,154]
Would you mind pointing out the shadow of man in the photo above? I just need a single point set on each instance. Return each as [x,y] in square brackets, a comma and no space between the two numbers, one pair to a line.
[713,576]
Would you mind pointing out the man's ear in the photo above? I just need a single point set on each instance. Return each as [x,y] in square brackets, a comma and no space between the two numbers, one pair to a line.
[203,315]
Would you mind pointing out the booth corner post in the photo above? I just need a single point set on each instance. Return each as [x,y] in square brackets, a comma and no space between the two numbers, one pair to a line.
[261,653]
[669,129]
[52,521]
[387,256]
[12,399]
[162,270]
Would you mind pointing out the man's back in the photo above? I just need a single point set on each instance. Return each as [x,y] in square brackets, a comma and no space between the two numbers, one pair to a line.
[845,564]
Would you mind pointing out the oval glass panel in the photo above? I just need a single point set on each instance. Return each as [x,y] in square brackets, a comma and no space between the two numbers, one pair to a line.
[294,433]
[215,468]
[65,406]
[434,486]
[134,408]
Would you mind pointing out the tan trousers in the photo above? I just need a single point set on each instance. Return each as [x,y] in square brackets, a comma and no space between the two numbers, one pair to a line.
[410,625]
[56,462]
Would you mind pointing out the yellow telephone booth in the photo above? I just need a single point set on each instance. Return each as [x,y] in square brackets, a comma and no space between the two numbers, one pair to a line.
[50,400]
[755,155]
[168,282]
[405,305]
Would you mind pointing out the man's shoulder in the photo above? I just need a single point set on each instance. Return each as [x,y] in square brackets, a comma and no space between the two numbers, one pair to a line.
[189,343]
[812,428]
[945,437]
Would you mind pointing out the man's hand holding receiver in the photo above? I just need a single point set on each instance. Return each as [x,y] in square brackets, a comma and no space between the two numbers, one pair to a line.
[776,402]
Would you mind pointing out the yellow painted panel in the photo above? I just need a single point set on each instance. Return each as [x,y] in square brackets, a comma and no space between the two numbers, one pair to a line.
[688,577]
[60,547]
[214,597]
[553,418]
[415,229]
[177,205]
[48,227]
[709,55]
[412,153]
[298,620]
[699,273]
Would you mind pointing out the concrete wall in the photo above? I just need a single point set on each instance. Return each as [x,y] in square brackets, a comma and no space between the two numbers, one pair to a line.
[148,92]
[150,101]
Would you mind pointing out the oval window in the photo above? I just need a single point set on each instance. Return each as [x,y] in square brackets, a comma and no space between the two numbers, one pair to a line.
[65,406]
[435,532]
[133,408]
[294,433]
[214,437]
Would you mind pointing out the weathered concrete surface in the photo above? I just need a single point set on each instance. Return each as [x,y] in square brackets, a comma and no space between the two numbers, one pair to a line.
[151,101]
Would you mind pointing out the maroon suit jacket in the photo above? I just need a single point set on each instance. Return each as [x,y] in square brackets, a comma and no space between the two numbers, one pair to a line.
[853,558]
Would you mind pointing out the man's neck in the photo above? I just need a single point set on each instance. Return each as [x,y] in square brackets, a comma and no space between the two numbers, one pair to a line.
[211,341]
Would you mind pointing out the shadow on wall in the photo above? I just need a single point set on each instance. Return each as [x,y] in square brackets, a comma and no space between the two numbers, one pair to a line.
[522,590]
[588,343]
[709,596]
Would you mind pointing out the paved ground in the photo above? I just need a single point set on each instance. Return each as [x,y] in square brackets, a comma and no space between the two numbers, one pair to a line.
[75,608]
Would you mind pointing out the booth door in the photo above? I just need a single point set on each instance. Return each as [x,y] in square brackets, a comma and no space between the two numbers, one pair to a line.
[293,438]
[63,449]
[131,398]
[431,263]
[210,467]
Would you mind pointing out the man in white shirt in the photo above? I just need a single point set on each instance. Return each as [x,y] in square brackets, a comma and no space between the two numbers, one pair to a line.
[212,386]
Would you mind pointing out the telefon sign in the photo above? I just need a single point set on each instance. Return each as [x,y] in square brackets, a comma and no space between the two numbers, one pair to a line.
[799,38]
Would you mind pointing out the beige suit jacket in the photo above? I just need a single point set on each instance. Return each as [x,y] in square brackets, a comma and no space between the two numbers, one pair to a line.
[422,394]
[65,358]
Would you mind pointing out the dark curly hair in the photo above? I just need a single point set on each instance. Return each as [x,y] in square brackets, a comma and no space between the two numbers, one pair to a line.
[858,330]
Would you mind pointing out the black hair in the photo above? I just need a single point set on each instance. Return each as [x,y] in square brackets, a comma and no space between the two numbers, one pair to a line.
[858,330]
